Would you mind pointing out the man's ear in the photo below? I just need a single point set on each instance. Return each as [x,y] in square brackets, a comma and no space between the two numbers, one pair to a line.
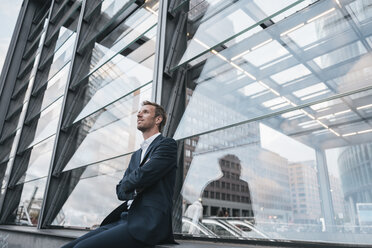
[158,119]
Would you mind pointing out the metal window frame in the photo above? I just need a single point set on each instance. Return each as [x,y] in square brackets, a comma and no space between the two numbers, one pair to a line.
[40,224]
[21,120]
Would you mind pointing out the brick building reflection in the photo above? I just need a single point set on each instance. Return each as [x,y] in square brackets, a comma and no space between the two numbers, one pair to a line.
[230,193]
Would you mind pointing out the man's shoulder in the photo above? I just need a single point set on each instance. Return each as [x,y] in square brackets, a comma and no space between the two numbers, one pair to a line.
[167,141]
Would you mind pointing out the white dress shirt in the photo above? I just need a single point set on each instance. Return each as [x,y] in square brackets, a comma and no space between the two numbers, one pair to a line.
[144,145]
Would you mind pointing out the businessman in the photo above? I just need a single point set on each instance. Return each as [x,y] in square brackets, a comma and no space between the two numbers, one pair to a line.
[145,217]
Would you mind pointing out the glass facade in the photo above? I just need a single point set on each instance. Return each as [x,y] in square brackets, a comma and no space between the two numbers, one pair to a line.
[276,126]
[272,114]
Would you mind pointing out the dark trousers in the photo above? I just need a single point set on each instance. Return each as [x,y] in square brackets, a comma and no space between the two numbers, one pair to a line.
[112,235]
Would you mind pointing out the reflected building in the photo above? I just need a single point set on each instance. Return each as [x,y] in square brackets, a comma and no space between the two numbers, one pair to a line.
[270,196]
[355,166]
[305,192]
[354,163]
[250,181]
[272,188]
[229,193]
[337,198]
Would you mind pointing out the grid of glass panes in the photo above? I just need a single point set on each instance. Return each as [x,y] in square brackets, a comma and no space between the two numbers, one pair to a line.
[102,122]
[99,89]
[278,125]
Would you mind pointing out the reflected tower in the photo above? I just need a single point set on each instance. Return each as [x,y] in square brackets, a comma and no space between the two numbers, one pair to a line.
[355,165]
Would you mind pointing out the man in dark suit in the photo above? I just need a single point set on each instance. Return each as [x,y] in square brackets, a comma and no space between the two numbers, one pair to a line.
[144,219]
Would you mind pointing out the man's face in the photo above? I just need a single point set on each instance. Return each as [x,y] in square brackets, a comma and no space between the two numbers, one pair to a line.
[146,119]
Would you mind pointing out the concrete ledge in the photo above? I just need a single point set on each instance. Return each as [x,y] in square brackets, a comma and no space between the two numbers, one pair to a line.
[18,239]
[25,237]
[29,237]
[62,233]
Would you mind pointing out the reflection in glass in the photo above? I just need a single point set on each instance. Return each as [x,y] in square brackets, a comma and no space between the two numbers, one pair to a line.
[82,209]
[141,23]
[340,55]
[111,7]
[264,73]
[268,51]
[239,176]
[226,19]
[130,75]
[119,76]
[360,10]
[47,122]
[234,188]
[313,33]
[111,132]
[280,159]
[350,172]
[291,74]
[54,89]
[63,36]
[39,162]
[62,55]
[355,174]
[28,210]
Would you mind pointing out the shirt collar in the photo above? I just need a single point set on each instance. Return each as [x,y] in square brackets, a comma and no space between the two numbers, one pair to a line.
[146,143]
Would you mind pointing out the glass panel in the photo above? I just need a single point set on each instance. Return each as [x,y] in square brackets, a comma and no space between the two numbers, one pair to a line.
[39,162]
[111,132]
[82,208]
[350,175]
[119,76]
[55,87]
[62,55]
[63,36]
[122,78]
[10,126]
[233,21]
[274,69]
[112,12]
[265,179]
[141,23]
[360,11]
[29,206]
[111,7]
[340,55]
[47,122]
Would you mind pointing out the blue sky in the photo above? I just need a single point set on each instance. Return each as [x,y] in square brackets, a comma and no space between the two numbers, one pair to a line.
[9,10]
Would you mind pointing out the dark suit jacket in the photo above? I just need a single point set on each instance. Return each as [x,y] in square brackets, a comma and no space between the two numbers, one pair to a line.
[150,215]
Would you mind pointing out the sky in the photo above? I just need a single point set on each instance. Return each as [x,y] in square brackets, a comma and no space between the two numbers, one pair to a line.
[295,151]
[9,10]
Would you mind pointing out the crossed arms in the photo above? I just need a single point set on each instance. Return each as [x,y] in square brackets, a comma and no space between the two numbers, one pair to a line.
[163,159]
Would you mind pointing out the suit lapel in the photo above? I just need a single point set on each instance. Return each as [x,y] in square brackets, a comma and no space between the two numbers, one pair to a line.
[150,148]
[137,158]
